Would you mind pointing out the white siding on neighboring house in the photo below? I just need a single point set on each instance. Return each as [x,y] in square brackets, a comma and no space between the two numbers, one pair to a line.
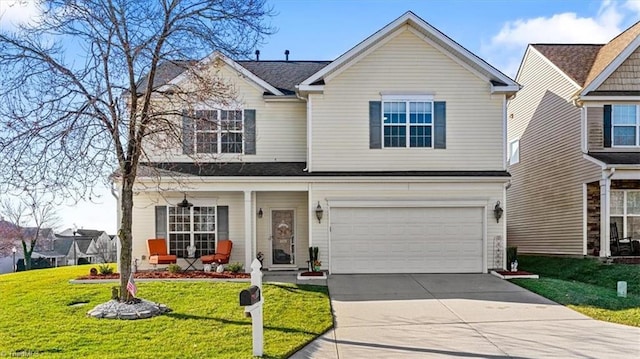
[280,128]
[406,63]
[545,200]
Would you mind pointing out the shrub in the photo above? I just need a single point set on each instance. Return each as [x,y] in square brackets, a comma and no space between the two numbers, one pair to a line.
[234,267]
[174,268]
[105,269]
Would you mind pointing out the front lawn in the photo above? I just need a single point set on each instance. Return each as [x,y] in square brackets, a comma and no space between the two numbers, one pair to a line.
[37,317]
[586,286]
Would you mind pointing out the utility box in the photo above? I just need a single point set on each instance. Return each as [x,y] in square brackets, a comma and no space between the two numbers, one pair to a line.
[250,296]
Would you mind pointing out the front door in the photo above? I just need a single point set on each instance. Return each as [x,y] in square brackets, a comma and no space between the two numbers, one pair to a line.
[283,237]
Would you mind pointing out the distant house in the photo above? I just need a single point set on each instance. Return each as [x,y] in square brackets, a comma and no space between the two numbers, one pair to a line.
[94,246]
[574,148]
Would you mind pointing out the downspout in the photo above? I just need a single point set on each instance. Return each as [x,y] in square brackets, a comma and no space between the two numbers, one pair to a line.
[308,101]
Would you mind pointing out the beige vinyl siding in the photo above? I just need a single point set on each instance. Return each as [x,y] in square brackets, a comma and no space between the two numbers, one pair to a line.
[283,200]
[406,63]
[625,77]
[144,225]
[488,193]
[281,128]
[595,131]
[545,200]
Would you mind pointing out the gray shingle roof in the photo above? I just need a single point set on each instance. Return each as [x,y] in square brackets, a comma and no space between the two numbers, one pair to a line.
[62,245]
[617,158]
[296,169]
[575,60]
[284,75]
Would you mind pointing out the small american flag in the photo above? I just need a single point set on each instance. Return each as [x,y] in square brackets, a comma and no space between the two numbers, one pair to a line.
[131,286]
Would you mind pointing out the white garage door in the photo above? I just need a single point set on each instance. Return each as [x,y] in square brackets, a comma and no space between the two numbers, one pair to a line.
[406,240]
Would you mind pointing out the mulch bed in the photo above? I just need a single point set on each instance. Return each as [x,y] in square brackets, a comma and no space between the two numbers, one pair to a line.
[169,275]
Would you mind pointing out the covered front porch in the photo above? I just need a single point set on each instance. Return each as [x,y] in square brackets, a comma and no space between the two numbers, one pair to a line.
[269,223]
[613,215]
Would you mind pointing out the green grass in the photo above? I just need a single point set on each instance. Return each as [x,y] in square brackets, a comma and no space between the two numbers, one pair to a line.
[36,317]
[586,286]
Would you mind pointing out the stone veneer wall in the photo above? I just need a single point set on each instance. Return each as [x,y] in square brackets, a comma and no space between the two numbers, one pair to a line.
[593,211]
[593,218]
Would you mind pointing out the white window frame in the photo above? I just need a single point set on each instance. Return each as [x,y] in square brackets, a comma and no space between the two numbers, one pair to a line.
[625,215]
[219,131]
[637,126]
[408,100]
[192,232]
[514,159]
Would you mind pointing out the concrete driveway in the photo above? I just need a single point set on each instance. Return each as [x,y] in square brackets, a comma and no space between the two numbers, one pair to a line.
[459,316]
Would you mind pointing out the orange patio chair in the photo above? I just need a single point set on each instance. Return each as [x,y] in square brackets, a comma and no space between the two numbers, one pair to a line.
[223,252]
[158,252]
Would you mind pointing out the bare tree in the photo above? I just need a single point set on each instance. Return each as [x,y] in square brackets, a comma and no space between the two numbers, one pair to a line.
[28,217]
[82,89]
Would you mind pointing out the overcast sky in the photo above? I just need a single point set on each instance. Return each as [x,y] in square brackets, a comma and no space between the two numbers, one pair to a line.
[497,30]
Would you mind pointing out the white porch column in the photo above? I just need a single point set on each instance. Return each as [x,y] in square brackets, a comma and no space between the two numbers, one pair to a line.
[248,230]
[605,205]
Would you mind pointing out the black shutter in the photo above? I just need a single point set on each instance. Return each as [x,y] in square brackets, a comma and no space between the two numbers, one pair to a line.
[375,124]
[161,222]
[223,222]
[187,133]
[440,124]
[606,126]
[249,132]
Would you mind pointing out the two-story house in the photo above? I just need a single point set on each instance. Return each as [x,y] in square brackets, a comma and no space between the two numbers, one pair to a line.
[389,159]
[574,147]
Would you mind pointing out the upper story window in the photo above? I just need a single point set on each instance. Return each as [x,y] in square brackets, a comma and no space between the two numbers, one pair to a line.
[514,151]
[218,131]
[625,125]
[407,123]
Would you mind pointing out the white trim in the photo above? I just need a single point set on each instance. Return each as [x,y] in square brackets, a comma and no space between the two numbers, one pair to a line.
[584,139]
[248,228]
[504,89]
[485,230]
[607,99]
[412,20]
[550,63]
[604,75]
[505,149]
[404,203]
[218,55]
[286,98]
[408,96]
[636,125]
[310,88]
[309,130]
[596,161]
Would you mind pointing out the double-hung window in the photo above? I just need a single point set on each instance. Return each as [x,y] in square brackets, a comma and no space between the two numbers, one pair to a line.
[625,212]
[218,131]
[625,125]
[407,123]
[194,226]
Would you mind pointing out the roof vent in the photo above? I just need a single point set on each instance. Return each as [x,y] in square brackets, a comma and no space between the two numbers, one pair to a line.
[257,55]
[286,55]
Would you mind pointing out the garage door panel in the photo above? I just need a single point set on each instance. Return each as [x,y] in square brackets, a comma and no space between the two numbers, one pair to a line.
[401,240]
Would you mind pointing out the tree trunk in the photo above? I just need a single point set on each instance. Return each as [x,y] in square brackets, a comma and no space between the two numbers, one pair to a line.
[27,256]
[125,236]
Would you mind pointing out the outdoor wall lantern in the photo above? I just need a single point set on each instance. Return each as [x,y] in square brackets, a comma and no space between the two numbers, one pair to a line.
[319,212]
[260,213]
[185,203]
[497,212]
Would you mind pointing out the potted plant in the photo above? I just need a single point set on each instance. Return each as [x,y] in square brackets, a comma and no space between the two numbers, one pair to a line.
[316,265]
[512,259]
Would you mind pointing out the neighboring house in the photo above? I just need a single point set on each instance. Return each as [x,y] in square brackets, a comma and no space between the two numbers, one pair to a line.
[574,140]
[389,159]
[94,246]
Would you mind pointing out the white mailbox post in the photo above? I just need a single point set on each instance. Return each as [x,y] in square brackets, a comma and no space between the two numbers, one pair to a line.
[252,299]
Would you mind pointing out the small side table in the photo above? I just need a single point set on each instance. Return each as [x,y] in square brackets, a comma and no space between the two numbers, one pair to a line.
[191,261]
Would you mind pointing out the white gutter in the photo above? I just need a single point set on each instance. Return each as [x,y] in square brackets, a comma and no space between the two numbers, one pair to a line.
[504,133]
[605,210]
[308,101]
